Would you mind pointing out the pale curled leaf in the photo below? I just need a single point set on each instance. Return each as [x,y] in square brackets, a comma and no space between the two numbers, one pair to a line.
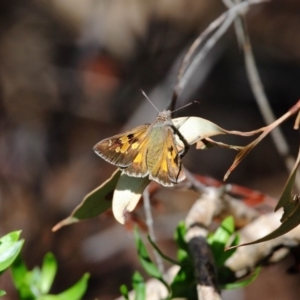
[127,194]
[194,129]
[94,203]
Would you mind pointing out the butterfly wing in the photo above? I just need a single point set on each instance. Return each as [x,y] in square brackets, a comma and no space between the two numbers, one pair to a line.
[167,168]
[139,168]
[122,149]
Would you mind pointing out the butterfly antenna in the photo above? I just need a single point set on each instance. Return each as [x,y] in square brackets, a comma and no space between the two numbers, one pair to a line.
[193,102]
[150,101]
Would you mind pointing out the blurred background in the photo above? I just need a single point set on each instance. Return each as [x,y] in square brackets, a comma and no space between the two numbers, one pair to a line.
[70,75]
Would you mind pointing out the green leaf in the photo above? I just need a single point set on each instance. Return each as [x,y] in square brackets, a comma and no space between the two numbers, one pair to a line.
[243,283]
[139,286]
[146,261]
[48,272]
[184,285]
[224,231]
[219,240]
[33,285]
[144,257]
[10,247]
[2,293]
[34,280]
[18,270]
[94,203]
[9,238]
[22,279]
[182,256]
[73,293]
[179,236]
[124,291]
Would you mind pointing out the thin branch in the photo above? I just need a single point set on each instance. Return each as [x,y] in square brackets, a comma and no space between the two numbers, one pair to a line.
[165,257]
[149,222]
[212,27]
[223,22]
[259,93]
[261,98]
[195,184]
[237,22]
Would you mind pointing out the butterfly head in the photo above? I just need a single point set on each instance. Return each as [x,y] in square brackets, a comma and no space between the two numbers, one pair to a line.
[164,115]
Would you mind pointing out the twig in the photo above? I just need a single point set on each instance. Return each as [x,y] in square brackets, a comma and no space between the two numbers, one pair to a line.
[212,26]
[259,93]
[237,22]
[149,222]
[195,184]
[223,22]
[264,106]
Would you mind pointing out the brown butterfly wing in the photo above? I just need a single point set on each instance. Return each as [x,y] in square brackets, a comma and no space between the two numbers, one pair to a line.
[122,149]
[139,168]
[168,168]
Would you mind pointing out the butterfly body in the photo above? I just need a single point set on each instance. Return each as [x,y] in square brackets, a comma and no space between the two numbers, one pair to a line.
[146,150]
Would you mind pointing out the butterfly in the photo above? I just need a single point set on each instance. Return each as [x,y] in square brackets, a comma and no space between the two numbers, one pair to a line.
[146,150]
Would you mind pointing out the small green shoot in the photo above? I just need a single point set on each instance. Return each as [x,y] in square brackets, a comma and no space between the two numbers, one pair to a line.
[36,284]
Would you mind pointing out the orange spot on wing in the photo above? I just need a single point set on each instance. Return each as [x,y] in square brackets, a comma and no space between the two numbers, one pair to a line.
[135,145]
[125,147]
[164,166]
[138,158]
[124,139]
